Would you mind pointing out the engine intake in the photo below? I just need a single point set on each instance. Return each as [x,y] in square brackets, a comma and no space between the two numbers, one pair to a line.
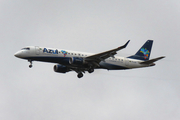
[60,69]
[76,61]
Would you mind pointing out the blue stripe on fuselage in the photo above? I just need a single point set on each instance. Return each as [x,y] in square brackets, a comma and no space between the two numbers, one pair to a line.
[60,60]
[65,61]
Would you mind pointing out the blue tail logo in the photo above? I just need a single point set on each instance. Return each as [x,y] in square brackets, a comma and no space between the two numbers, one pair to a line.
[145,52]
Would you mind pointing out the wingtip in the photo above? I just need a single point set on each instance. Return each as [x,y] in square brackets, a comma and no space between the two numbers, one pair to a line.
[127,43]
[124,46]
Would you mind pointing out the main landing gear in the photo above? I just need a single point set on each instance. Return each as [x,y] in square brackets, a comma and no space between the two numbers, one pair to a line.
[91,70]
[30,66]
[80,75]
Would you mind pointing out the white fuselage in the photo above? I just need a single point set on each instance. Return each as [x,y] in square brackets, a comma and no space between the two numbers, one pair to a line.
[61,56]
[80,62]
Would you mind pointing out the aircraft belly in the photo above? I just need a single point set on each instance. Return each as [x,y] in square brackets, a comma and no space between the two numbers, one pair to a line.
[111,66]
[60,60]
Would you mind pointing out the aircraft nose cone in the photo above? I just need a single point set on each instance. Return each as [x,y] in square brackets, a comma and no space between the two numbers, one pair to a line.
[18,54]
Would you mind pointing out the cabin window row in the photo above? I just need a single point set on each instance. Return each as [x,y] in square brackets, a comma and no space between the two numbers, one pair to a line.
[115,59]
[74,54]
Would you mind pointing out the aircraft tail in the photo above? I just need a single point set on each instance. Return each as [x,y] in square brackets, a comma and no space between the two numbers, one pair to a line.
[144,52]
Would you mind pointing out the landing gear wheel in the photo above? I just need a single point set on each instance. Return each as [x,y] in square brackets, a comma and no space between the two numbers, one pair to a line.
[30,66]
[91,70]
[80,75]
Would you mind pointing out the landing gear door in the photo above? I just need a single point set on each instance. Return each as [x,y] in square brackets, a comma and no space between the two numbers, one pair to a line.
[37,50]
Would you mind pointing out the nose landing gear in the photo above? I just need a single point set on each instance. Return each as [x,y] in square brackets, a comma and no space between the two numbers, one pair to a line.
[30,66]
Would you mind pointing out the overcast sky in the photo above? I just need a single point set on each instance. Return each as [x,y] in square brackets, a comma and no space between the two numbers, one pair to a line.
[94,26]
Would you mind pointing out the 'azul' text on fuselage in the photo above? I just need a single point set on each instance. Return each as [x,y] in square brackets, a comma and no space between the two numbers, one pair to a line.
[50,51]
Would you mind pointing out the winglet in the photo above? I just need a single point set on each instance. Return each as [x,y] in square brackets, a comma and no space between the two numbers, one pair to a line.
[124,46]
[127,43]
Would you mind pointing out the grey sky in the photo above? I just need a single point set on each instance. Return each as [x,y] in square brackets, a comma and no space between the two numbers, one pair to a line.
[94,26]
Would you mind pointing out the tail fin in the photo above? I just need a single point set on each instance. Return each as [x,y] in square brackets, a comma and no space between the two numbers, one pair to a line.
[144,52]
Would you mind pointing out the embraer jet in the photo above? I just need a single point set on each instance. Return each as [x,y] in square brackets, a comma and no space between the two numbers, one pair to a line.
[80,62]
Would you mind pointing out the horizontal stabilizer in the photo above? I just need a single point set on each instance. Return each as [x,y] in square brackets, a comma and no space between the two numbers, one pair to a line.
[152,60]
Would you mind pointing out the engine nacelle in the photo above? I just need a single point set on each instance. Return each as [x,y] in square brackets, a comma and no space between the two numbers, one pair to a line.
[76,61]
[60,69]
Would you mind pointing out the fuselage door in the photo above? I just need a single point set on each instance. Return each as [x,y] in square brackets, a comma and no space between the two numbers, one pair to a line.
[37,50]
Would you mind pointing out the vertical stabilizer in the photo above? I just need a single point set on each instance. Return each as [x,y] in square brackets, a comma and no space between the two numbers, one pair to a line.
[144,52]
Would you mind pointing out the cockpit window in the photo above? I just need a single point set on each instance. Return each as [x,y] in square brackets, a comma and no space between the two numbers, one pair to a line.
[25,48]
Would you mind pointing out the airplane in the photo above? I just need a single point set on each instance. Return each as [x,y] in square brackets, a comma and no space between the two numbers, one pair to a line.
[80,62]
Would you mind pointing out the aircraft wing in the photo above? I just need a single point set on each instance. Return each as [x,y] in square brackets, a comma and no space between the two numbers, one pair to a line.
[104,55]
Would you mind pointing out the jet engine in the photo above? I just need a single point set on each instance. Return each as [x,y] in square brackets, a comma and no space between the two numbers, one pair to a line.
[76,61]
[60,69]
